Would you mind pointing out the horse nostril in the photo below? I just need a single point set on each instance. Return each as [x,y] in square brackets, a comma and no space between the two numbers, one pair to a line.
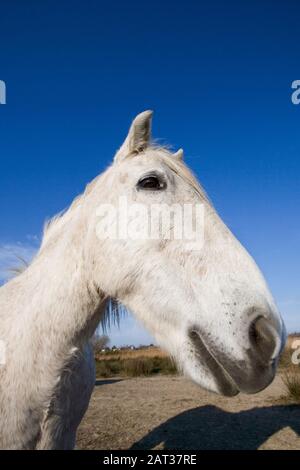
[264,338]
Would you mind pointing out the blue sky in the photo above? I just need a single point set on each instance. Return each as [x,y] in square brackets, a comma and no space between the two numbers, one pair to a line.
[218,76]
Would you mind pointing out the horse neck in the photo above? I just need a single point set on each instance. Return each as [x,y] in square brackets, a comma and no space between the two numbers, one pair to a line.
[60,302]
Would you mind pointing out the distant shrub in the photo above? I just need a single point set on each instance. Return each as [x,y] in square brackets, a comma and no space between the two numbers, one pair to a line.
[99,343]
[135,367]
[108,368]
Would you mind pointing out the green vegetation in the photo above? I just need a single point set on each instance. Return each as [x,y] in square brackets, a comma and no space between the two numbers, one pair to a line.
[135,367]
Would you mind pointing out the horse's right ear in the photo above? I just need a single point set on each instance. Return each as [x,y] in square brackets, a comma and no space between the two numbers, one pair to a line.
[138,137]
[178,154]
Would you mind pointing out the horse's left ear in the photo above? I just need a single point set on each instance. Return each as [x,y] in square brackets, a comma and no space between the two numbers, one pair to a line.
[138,137]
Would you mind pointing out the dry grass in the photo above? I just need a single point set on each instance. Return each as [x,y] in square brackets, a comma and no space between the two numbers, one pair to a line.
[134,363]
[152,351]
[291,371]
[292,383]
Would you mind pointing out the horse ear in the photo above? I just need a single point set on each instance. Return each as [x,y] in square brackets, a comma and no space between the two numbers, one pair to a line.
[179,154]
[138,137]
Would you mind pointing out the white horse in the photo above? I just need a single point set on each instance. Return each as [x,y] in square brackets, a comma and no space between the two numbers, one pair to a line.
[209,308]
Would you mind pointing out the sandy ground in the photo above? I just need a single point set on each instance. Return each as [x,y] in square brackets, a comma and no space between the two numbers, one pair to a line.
[172,413]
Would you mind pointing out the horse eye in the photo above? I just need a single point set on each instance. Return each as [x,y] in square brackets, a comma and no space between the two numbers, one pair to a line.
[151,182]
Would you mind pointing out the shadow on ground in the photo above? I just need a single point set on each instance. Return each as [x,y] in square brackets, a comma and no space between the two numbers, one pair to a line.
[209,427]
[107,381]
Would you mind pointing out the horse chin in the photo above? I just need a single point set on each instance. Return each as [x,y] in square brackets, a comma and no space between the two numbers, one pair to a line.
[217,378]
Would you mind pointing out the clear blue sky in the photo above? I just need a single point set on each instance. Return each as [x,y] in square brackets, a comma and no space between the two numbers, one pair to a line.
[218,75]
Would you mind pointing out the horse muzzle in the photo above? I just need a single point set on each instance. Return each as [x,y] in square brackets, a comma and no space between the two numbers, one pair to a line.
[257,368]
